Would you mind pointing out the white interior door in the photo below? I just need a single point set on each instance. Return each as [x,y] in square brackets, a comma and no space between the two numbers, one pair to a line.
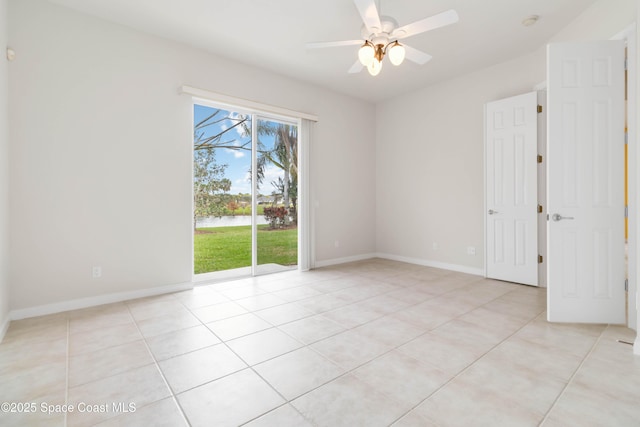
[511,189]
[585,190]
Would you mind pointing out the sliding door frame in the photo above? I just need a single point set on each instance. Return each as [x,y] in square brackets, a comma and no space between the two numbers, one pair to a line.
[304,236]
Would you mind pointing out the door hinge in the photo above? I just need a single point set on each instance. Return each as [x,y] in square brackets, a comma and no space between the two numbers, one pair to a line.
[626,64]
[626,138]
[539,208]
[626,211]
[539,158]
[540,259]
[626,284]
[539,109]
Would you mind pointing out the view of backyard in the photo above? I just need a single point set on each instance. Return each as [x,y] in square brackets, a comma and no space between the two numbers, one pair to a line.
[224,248]
[222,191]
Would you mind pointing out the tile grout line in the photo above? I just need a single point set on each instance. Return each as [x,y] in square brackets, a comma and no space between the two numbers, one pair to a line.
[305,345]
[157,365]
[350,371]
[251,367]
[564,389]
[286,401]
[466,368]
[354,328]
[308,345]
[348,303]
[352,303]
[347,372]
[274,326]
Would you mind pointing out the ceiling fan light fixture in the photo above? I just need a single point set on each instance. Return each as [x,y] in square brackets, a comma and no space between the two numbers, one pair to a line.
[366,53]
[381,35]
[374,67]
[396,53]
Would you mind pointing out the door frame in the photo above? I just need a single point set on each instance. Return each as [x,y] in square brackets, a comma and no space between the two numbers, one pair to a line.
[629,35]
[266,113]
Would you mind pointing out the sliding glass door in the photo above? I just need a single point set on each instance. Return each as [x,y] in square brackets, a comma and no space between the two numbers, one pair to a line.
[245,193]
[277,195]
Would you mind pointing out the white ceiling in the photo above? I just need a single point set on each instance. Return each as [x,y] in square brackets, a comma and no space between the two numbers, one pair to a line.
[271,34]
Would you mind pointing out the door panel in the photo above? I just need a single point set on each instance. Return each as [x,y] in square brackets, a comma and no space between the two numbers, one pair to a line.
[511,182]
[585,182]
[277,161]
[221,192]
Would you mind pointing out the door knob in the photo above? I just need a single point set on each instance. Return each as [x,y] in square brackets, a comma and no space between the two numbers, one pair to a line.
[492,212]
[558,217]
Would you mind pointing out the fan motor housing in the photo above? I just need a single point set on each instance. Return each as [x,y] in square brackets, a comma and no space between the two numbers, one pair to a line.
[388,25]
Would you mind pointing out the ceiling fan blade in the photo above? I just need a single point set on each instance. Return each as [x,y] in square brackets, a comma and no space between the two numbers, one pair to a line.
[369,13]
[356,68]
[416,55]
[431,23]
[318,45]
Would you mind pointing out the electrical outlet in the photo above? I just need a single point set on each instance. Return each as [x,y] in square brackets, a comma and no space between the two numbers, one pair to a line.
[96,272]
[435,246]
[471,250]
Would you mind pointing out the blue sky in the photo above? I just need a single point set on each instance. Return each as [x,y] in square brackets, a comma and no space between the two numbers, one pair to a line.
[238,161]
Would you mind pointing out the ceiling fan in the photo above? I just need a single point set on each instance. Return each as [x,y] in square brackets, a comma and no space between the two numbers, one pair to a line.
[381,35]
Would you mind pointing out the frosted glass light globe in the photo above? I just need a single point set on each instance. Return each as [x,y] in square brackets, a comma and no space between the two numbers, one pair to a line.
[366,53]
[375,67]
[396,53]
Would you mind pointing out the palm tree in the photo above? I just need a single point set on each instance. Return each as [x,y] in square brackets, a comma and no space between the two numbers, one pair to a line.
[285,156]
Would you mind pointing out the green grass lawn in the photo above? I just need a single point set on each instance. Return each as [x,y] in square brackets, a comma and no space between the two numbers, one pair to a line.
[224,248]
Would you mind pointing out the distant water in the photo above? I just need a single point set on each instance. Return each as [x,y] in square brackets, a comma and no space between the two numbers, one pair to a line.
[227,221]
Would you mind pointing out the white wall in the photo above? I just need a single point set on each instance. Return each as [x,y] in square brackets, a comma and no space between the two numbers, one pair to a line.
[430,151]
[101,155]
[430,147]
[4,175]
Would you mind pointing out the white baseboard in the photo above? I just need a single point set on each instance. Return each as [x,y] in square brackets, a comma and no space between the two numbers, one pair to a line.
[4,326]
[76,304]
[417,261]
[336,261]
[434,264]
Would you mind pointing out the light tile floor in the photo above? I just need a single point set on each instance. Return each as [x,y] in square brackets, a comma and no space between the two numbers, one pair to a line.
[372,343]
